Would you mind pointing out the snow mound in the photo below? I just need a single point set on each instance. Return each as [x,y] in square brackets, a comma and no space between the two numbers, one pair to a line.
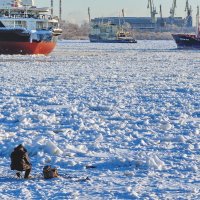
[155,162]
[52,148]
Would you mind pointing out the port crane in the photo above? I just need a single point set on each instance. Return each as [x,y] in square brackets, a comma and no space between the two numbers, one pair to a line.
[51,7]
[60,8]
[162,23]
[197,22]
[153,11]
[173,9]
[188,10]
[89,16]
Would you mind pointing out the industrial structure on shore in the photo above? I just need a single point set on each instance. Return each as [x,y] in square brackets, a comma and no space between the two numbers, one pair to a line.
[154,23]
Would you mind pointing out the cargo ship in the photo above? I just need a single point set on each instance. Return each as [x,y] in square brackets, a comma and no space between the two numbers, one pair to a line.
[110,33]
[189,41]
[26,29]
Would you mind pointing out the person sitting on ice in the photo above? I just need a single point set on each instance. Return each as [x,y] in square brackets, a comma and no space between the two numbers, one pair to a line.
[20,161]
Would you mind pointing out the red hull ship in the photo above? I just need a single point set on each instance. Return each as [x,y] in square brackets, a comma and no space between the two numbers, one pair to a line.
[27,47]
[27,30]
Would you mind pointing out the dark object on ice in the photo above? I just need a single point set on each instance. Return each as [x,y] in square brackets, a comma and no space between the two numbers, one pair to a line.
[20,161]
[18,174]
[83,179]
[49,172]
[90,167]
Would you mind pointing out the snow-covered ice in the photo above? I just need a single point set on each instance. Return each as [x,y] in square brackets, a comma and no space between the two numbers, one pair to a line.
[125,115]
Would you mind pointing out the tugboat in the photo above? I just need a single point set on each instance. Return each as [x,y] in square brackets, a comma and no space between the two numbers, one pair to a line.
[26,29]
[189,41]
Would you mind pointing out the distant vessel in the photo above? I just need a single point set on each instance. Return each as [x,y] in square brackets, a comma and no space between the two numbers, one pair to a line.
[26,29]
[189,41]
[110,33]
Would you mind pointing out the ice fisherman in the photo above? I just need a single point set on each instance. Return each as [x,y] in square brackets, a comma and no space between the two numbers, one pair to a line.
[20,161]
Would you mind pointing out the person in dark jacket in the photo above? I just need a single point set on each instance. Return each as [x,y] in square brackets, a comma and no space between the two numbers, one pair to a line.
[20,161]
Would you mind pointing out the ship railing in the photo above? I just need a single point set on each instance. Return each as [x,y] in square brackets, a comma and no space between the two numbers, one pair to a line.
[24,16]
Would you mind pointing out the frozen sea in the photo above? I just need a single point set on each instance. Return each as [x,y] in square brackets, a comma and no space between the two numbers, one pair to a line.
[127,116]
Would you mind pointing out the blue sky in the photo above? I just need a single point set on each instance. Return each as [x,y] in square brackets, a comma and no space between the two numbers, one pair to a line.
[76,10]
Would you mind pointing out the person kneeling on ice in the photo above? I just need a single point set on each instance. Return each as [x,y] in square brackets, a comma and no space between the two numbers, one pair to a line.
[20,161]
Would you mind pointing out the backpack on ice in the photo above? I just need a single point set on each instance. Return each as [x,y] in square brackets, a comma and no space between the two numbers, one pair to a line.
[49,172]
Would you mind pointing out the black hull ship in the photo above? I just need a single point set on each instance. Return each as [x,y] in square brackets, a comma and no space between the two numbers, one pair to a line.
[27,30]
[189,41]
